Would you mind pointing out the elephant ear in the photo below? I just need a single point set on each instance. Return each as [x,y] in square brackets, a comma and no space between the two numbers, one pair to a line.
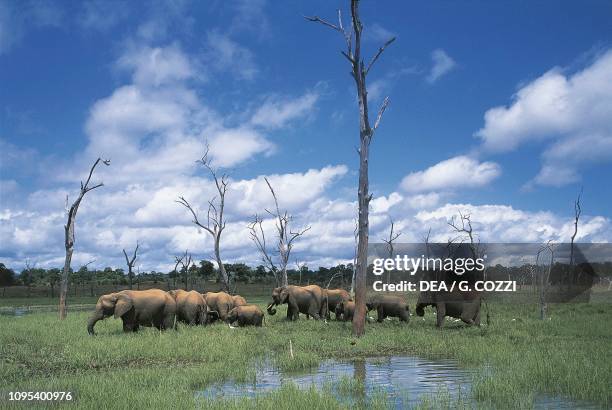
[284,295]
[124,304]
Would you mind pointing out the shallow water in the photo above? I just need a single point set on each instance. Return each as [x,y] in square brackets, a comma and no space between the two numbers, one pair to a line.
[406,381]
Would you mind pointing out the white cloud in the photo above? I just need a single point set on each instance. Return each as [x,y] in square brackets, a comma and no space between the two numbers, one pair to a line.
[442,65]
[377,33]
[276,111]
[18,18]
[155,128]
[224,54]
[157,65]
[573,111]
[102,15]
[294,191]
[451,174]
[229,147]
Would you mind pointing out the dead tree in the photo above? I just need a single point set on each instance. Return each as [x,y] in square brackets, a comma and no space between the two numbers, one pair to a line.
[28,278]
[544,276]
[130,263]
[69,234]
[286,237]
[466,233]
[258,236]
[577,213]
[185,262]
[359,72]
[355,254]
[392,237]
[426,241]
[215,217]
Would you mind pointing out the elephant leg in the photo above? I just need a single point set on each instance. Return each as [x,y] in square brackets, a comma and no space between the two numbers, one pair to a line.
[441,313]
[404,315]
[381,313]
[468,314]
[128,326]
[169,322]
[477,318]
[312,311]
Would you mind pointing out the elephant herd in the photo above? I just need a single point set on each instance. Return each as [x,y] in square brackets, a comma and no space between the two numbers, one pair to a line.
[163,309]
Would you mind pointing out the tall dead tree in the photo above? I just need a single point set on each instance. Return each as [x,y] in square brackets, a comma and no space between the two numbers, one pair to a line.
[355,255]
[466,233]
[215,217]
[577,213]
[286,237]
[69,234]
[359,72]
[258,236]
[130,263]
[389,241]
[544,276]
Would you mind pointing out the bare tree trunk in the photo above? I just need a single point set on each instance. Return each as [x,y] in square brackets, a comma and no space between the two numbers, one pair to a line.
[64,282]
[359,71]
[69,235]
[222,272]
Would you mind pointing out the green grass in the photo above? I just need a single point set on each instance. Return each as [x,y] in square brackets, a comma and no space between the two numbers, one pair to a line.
[514,360]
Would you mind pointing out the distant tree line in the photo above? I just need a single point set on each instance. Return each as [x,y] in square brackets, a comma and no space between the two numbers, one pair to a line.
[87,280]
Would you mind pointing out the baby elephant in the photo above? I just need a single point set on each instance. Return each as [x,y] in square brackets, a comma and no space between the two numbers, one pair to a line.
[389,306]
[345,310]
[246,315]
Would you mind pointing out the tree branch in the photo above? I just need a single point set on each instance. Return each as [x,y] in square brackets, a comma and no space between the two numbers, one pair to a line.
[378,53]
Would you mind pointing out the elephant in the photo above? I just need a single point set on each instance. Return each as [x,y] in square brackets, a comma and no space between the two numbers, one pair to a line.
[220,302]
[246,315]
[191,308]
[238,300]
[457,304]
[332,297]
[153,307]
[389,306]
[345,309]
[299,299]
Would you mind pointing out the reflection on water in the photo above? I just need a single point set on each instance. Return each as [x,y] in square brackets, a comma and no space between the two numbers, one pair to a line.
[404,380]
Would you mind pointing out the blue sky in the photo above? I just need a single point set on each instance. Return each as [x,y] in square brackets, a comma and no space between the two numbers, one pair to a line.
[498,109]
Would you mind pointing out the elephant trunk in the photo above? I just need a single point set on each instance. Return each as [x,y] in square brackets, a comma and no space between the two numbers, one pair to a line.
[93,319]
[270,309]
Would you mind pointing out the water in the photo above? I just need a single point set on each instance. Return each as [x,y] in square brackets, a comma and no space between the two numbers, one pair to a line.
[404,380]
[26,310]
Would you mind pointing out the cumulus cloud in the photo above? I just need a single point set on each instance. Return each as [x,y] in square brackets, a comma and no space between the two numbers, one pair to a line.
[155,127]
[226,55]
[442,64]
[276,111]
[572,111]
[157,65]
[450,174]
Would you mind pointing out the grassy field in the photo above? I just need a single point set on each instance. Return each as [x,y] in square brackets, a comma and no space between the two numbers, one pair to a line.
[516,358]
